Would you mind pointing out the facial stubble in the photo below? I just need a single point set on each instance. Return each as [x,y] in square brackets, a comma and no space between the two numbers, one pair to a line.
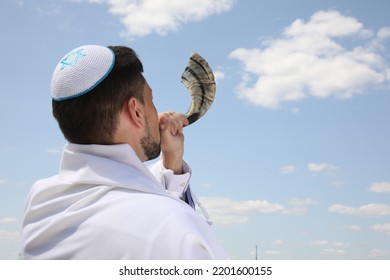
[152,148]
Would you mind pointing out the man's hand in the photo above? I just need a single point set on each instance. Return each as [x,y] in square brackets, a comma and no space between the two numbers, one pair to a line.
[172,140]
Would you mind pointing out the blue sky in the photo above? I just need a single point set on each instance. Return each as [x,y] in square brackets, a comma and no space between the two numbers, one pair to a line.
[293,156]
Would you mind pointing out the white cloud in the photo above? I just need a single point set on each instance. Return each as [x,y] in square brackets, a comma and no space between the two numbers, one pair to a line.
[380,187]
[352,227]
[278,242]
[337,183]
[333,252]
[384,33]
[322,168]
[302,202]
[274,253]
[144,17]
[299,206]
[325,23]
[384,228]
[295,110]
[318,243]
[207,185]
[48,10]
[288,169]
[379,253]
[333,247]
[322,243]
[364,210]
[219,75]
[53,150]
[9,235]
[295,211]
[309,61]
[226,211]
[8,220]
[2,181]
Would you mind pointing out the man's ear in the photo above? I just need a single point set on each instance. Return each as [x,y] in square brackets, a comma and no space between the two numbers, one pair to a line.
[135,111]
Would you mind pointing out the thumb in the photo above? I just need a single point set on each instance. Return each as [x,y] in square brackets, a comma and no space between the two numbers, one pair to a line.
[162,121]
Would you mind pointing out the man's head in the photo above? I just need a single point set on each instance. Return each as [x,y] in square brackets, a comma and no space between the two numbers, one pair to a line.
[93,87]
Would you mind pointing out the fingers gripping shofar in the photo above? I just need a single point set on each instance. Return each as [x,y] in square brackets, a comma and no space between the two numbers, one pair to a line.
[200,82]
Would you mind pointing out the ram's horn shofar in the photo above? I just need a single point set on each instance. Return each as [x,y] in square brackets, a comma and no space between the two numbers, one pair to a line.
[199,80]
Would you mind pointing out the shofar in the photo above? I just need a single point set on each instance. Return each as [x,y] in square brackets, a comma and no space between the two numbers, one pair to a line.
[200,82]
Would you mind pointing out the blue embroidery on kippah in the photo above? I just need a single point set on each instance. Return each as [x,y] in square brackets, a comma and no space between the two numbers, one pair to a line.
[72,58]
[94,85]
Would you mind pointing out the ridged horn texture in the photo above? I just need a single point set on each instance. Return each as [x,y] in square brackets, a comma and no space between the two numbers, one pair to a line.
[200,82]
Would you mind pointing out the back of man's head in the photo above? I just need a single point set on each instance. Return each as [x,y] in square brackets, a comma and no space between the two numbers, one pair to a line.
[89,87]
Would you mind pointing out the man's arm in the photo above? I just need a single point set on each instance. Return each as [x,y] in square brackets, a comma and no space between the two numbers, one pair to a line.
[172,171]
[172,140]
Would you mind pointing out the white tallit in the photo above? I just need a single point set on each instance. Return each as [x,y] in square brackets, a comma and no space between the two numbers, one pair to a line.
[105,204]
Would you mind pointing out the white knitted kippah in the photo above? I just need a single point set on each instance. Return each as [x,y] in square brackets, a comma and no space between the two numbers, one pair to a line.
[80,71]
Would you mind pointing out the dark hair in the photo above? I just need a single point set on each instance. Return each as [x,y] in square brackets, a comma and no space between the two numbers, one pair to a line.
[92,118]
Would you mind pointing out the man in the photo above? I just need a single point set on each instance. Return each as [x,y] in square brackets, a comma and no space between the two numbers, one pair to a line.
[104,203]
